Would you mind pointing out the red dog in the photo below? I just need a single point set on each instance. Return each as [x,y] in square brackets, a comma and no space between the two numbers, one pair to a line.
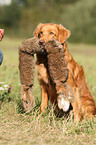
[84,105]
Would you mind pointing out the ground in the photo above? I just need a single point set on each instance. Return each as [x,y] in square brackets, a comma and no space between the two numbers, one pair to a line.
[17,127]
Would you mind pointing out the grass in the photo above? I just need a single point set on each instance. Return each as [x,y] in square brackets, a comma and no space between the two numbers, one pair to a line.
[20,128]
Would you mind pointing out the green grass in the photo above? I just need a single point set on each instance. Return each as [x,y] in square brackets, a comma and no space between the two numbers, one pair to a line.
[25,129]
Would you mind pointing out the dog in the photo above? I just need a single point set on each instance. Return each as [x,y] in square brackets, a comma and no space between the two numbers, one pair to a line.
[84,104]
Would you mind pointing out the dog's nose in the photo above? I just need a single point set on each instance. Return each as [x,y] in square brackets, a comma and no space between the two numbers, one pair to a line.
[41,42]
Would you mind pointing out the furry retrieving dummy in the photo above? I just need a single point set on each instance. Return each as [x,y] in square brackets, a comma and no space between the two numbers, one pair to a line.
[57,68]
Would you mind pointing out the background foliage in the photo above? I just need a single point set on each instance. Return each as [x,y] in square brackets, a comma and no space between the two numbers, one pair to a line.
[21,17]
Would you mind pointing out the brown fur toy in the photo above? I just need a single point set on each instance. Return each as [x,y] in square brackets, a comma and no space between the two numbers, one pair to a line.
[26,67]
[57,71]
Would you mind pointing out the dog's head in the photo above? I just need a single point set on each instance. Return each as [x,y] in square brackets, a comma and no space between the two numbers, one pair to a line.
[46,32]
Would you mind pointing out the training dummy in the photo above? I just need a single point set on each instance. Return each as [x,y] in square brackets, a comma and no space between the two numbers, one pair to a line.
[57,69]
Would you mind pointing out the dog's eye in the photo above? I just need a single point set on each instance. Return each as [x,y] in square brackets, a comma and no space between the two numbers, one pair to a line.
[51,33]
[41,32]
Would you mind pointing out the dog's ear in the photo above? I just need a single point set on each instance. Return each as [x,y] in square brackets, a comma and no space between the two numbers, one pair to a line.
[63,33]
[37,30]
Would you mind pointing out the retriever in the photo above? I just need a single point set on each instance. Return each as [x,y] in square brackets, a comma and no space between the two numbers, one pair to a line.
[84,104]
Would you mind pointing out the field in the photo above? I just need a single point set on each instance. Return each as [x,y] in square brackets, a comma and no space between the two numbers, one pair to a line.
[17,127]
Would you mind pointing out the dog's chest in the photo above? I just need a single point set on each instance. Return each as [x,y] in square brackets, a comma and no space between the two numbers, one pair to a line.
[42,68]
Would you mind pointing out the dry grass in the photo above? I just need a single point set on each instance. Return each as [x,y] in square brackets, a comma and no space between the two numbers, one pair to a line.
[17,127]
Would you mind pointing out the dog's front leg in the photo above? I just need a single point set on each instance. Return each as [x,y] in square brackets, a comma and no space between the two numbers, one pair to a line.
[44,99]
[43,80]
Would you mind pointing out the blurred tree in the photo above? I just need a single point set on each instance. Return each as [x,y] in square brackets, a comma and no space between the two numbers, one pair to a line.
[80,18]
[66,1]
[11,15]
[77,15]
[29,3]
